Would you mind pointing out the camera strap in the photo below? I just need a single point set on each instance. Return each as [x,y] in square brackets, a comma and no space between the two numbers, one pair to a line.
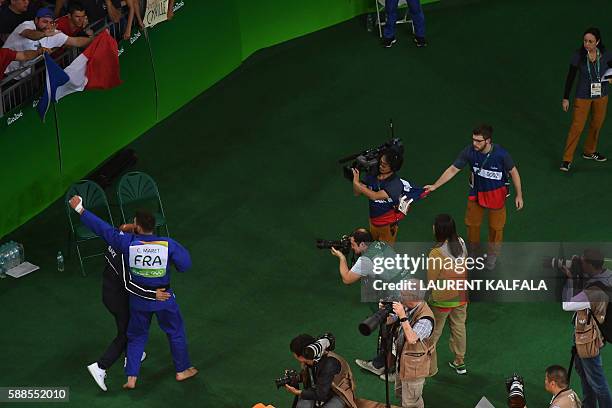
[571,364]
[475,173]
[559,393]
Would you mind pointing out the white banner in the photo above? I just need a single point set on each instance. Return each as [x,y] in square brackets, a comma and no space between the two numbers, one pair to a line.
[156,12]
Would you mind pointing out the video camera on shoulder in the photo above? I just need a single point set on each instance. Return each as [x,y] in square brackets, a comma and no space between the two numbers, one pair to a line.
[367,161]
[343,244]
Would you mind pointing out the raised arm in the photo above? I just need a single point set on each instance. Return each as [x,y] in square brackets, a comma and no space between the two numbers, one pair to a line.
[101,228]
[360,188]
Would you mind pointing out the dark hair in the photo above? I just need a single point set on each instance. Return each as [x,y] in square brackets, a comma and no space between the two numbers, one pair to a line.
[362,235]
[145,220]
[557,374]
[594,257]
[445,230]
[594,31]
[394,157]
[484,130]
[299,343]
[75,6]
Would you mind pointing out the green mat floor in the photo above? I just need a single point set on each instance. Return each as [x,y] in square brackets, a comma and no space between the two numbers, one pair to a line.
[249,178]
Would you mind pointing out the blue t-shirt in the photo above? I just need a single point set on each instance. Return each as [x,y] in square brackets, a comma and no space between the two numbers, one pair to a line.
[490,174]
[583,88]
[382,211]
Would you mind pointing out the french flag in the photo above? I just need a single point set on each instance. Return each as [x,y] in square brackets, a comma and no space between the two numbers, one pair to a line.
[96,68]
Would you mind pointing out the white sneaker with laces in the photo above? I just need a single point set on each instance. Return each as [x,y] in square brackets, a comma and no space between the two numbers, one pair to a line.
[98,375]
[390,376]
[367,365]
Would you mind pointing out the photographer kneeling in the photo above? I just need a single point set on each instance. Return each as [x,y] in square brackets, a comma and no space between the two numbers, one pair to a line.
[590,306]
[331,374]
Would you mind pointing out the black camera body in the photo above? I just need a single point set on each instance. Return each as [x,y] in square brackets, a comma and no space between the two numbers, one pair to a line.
[573,264]
[343,244]
[375,320]
[367,161]
[289,377]
[515,385]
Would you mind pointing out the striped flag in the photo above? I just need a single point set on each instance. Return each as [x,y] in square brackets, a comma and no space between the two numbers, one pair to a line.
[96,68]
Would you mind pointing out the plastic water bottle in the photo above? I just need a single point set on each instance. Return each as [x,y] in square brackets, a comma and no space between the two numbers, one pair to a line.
[13,255]
[2,266]
[21,250]
[60,261]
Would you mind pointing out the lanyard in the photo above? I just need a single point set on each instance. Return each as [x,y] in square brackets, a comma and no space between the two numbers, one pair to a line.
[485,160]
[596,65]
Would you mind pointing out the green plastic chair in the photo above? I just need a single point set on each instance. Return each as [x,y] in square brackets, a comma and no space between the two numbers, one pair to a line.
[139,190]
[94,200]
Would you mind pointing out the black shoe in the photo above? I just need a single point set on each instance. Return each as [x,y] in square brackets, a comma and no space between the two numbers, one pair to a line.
[388,42]
[420,42]
[565,166]
[595,156]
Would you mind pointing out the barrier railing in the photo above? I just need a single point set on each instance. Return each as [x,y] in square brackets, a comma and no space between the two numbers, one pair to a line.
[17,89]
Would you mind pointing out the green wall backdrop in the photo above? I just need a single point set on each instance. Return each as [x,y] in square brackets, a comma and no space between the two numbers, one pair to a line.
[205,42]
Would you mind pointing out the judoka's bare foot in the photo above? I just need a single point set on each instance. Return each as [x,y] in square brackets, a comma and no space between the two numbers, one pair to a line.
[131,383]
[183,375]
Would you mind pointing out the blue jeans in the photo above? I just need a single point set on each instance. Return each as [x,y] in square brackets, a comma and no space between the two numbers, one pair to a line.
[595,390]
[416,13]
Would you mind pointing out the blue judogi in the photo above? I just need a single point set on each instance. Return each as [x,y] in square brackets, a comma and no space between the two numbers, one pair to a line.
[148,258]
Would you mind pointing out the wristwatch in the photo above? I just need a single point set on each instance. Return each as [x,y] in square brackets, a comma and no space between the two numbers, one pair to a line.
[403,319]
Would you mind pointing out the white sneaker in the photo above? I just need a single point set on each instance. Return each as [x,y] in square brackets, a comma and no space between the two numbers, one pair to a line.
[143,358]
[390,376]
[367,365]
[98,375]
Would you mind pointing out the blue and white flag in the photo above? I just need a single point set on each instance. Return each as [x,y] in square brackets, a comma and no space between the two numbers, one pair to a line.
[55,78]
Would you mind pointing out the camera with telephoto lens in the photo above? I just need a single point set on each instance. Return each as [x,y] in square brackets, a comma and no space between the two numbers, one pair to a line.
[516,391]
[289,377]
[343,244]
[373,322]
[573,264]
[367,161]
[325,342]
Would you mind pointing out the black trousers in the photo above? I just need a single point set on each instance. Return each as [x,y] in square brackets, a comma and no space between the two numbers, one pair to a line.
[117,302]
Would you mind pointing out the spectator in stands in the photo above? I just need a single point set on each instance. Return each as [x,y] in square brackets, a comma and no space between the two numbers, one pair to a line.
[170,9]
[13,13]
[74,24]
[95,9]
[7,56]
[134,10]
[41,32]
